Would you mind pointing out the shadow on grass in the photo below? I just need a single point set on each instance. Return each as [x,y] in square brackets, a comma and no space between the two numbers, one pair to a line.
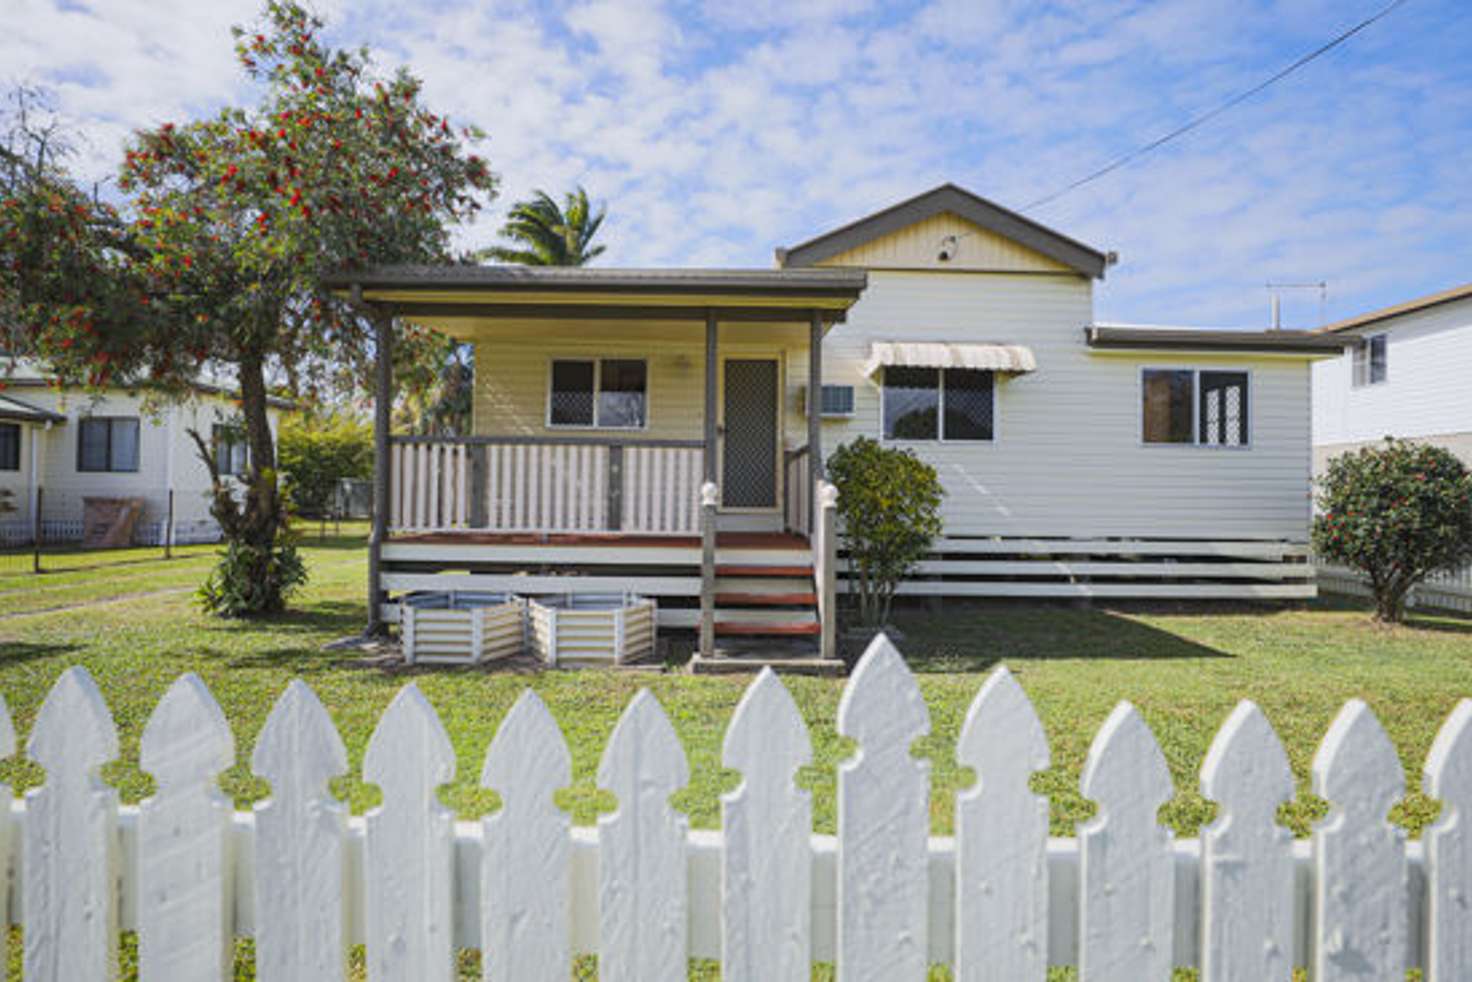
[16,652]
[975,635]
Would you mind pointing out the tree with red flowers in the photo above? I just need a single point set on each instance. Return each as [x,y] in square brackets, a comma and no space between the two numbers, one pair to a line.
[1397,513]
[217,262]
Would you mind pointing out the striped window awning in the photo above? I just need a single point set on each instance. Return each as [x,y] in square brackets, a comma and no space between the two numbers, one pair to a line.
[943,354]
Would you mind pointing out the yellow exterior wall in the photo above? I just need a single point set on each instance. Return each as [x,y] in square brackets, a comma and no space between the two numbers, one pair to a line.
[918,246]
[513,362]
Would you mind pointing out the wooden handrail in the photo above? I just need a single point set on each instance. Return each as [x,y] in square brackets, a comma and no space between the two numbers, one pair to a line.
[548,441]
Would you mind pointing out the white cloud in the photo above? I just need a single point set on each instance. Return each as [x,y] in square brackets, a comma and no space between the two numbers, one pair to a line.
[716,130]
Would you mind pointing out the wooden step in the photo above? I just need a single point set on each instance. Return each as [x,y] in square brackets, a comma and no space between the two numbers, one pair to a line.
[810,628]
[766,599]
[764,584]
[764,571]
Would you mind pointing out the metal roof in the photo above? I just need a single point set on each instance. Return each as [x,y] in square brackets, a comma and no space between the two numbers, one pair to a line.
[963,204]
[14,410]
[1205,339]
[1462,292]
[573,279]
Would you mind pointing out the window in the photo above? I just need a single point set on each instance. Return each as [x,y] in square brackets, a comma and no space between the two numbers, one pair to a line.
[938,404]
[9,446]
[1203,408]
[232,451]
[611,393]
[108,443]
[1370,364]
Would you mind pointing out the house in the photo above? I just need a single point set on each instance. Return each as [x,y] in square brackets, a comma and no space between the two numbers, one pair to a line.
[1080,459]
[1404,374]
[60,447]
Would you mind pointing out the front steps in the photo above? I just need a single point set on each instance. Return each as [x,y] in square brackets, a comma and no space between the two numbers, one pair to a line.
[766,615]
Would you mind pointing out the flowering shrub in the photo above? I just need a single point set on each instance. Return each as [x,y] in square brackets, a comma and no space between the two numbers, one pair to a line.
[1397,513]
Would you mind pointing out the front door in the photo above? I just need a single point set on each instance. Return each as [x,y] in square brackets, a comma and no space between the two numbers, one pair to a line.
[749,446]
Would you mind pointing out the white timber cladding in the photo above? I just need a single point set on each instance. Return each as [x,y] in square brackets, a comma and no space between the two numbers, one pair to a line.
[165,452]
[1067,458]
[882,898]
[1425,393]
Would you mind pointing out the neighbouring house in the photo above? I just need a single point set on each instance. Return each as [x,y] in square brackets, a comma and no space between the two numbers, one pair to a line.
[1080,459]
[1405,374]
[61,447]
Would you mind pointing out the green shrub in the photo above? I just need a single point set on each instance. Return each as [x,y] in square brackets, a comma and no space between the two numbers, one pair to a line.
[251,580]
[316,452]
[889,507]
[1396,513]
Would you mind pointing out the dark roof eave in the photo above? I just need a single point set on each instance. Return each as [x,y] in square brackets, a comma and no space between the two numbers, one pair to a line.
[1241,342]
[839,284]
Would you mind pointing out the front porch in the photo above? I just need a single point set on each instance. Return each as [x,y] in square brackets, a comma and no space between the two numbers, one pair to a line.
[635,432]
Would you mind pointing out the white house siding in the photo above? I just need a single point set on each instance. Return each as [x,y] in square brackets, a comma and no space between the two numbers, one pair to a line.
[1427,394]
[1067,459]
[166,457]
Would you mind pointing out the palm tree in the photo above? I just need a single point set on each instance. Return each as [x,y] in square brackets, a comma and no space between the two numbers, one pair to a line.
[547,235]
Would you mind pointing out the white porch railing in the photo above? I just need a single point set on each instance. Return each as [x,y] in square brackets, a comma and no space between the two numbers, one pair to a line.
[516,484]
[797,508]
[1123,900]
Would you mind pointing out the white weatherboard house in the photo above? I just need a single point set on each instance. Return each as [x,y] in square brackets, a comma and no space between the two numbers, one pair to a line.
[59,447]
[1405,374]
[1079,459]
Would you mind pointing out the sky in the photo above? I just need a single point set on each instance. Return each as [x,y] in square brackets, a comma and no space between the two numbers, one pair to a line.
[718,130]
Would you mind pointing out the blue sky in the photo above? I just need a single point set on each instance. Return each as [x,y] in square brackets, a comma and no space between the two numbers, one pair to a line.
[717,130]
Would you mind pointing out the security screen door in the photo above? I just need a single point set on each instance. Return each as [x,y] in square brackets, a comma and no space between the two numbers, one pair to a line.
[749,448]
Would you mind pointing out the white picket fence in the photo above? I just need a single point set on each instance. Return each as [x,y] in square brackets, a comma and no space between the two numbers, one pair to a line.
[1000,901]
[1448,590]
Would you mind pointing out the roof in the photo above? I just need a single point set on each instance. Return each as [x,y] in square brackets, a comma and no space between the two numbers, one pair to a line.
[577,279]
[962,203]
[1108,337]
[1462,292]
[205,388]
[15,410]
[456,298]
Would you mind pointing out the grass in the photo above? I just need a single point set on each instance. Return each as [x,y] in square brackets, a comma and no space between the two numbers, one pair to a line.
[1184,668]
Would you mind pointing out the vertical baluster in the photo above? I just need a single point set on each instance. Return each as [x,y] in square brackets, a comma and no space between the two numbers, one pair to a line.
[1246,856]
[409,842]
[526,863]
[462,492]
[883,823]
[436,485]
[1448,777]
[301,850]
[1002,839]
[601,458]
[185,915]
[1126,870]
[495,497]
[641,850]
[767,863]
[557,466]
[546,518]
[521,487]
[70,838]
[1360,861]
[396,468]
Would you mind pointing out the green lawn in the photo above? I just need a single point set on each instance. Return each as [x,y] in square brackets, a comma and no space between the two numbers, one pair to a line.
[1183,668]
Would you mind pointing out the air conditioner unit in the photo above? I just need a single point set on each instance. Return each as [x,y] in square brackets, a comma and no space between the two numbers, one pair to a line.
[837,401]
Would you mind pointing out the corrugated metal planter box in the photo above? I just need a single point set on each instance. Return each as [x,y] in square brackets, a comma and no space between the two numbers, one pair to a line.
[591,629]
[461,627]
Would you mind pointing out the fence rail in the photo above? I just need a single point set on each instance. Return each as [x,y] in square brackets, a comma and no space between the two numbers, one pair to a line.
[1441,591]
[881,898]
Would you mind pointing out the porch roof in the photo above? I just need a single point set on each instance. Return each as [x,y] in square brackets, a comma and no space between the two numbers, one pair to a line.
[521,292]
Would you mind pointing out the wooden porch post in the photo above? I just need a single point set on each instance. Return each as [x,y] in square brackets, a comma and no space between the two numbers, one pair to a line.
[709,496]
[383,332]
[815,411]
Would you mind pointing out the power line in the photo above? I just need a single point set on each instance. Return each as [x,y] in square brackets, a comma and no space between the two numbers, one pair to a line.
[1185,128]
